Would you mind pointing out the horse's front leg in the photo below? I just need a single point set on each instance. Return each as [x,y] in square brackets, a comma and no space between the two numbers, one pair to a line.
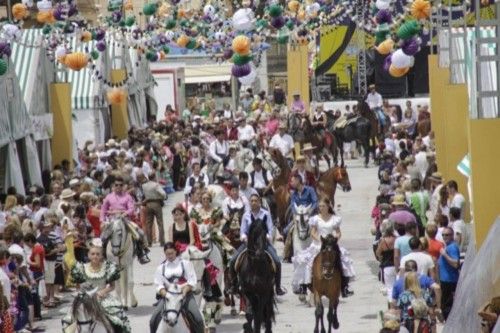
[318,313]
[329,316]
[335,319]
[257,318]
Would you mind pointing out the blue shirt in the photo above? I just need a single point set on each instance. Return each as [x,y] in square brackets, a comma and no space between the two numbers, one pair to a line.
[448,273]
[305,198]
[403,245]
[246,221]
[399,286]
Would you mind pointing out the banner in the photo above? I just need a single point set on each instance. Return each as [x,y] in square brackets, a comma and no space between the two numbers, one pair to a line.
[43,126]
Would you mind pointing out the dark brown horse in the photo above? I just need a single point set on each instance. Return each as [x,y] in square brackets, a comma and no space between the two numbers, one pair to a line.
[281,195]
[424,127]
[330,179]
[323,141]
[326,281]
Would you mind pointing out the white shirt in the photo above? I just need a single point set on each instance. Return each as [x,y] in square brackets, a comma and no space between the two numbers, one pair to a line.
[174,269]
[459,227]
[283,143]
[424,262]
[374,100]
[258,179]
[217,147]
[421,163]
[458,201]
[248,192]
[228,114]
[246,133]
[201,177]
[390,145]
[240,202]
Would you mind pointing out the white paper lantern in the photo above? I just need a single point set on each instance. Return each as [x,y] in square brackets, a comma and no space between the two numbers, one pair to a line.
[60,52]
[243,19]
[209,11]
[44,5]
[400,59]
[248,79]
[11,32]
[383,4]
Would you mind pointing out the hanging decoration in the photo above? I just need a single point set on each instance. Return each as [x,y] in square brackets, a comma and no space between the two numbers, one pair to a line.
[3,66]
[116,96]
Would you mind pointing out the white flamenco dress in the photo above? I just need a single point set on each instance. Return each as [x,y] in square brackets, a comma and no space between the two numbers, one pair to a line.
[303,260]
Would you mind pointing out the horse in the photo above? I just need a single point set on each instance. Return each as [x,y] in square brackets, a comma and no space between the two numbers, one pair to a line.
[324,143]
[360,129]
[232,231]
[301,230]
[171,314]
[120,250]
[88,314]
[197,258]
[326,281]
[330,179]
[256,274]
[424,127]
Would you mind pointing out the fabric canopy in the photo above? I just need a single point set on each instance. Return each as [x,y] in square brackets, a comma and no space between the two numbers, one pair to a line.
[207,73]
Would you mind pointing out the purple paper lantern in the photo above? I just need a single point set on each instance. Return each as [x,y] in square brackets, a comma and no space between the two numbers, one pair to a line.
[73,10]
[387,62]
[384,16]
[5,49]
[410,46]
[101,46]
[278,22]
[228,53]
[59,13]
[241,70]
[116,16]
[99,34]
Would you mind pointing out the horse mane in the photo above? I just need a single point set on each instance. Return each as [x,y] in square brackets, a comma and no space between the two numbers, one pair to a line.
[330,240]
[93,308]
[256,232]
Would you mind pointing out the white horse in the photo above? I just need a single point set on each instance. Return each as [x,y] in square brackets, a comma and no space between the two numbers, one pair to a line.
[301,230]
[197,258]
[213,310]
[87,314]
[172,320]
[120,250]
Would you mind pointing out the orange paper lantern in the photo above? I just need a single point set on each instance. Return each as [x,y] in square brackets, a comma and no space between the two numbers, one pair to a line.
[241,45]
[385,47]
[128,5]
[76,60]
[164,10]
[86,36]
[398,72]
[45,17]
[293,6]
[19,11]
[182,41]
[420,9]
[116,96]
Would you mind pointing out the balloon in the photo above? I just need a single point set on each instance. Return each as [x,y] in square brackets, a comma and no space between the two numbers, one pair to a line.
[398,72]
[241,70]
[248,79]
[420,9]
[3,66]
[243,19]
[385,47]
[383,4]
[400,59]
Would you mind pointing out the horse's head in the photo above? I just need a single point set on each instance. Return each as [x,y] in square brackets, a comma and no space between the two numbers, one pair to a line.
[330,256]
[118,236]
[235,215]
[257,237]
[172,305]
[87,312]
[301,220]
[342,178]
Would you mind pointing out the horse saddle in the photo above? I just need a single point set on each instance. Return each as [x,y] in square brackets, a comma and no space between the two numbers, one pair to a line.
[344,121]
[244,254]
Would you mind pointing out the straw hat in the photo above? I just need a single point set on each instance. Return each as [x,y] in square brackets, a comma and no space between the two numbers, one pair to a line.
[67,193]
[74,182]
[111,143]
[399,200]
[308,146]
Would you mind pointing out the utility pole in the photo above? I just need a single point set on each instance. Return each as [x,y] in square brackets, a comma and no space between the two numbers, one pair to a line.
[361,12]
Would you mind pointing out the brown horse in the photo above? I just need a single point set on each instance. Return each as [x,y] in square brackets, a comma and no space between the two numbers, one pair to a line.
[284,169]
[280,184]
[326,281]
[324,142]
[330,179]
[424,127]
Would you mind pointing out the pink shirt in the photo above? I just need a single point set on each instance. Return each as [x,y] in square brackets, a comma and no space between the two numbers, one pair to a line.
[298,106]
[272,126]
[114,201]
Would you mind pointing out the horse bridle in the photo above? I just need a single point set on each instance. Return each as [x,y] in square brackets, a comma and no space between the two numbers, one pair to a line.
[118,246]
[307,228]
[175,312]
[90,322]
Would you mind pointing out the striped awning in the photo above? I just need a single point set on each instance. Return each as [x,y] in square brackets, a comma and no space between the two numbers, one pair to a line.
[23,56]
[464,166]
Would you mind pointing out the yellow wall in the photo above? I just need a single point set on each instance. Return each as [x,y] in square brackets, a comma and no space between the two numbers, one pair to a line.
[485,160]
[298,73]
[119,113]
[60,105]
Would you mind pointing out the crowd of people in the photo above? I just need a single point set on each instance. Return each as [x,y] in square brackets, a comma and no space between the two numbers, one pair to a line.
[54,238]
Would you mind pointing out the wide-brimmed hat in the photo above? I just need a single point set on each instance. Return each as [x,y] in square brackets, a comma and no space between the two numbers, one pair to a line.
[308,146]
[111,143]
[282,126]
[436,176]
[67,193]
[74,182]
[399,200]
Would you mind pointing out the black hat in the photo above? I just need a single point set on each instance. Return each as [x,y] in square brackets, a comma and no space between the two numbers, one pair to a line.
[257,160]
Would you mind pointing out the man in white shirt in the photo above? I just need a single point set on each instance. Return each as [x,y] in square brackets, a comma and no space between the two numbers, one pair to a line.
[425,264]
[283,142]
[196,177]
[421,162]
[375,102]
[218,151]
[460,229]
[260,178]
[455,199]
[245,131]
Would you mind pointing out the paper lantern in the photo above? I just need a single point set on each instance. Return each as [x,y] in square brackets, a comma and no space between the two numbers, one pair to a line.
[385,47]
[293,6]
[130,21]
[19,11]
[11,31]
[44,5]
[241,70]
[243,19]
[248,79]
[128,5]
[182,41]
[116,96]
[149,9]
[228,53]
[408,29]
[275,10]
[3,66]
[400,59]
[398,72]
[241,44]
[241,59]
[86,36]
[383,4]
[76,60]
[99,34]
[410,46]
[94,54]
[384,16]
[278,22]
[101,46]
[170,24]
[301,15]
[191,44]
[164,10]
[420,9]
[5,49]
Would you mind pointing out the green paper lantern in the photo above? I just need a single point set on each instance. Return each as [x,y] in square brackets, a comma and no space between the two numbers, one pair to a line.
[275,10]
[170,24]
[46,29]
[184,23]
[380,36]
[122,23]
[150,55]
[241,59]
[129,21]
[261,24]
[409,29]
[94,54]
[289,24]
[191,44]
[94,34]
[3,67]
[149,9]
[282,39]
[166,49]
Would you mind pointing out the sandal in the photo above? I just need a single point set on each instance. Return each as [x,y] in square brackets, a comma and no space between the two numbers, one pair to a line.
[50,304]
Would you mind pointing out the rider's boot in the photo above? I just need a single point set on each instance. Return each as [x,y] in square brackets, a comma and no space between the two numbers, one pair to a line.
[142,252]
[279,291]
[288,251]
[345,287]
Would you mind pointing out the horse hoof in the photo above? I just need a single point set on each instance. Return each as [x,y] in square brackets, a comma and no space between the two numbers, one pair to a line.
[336,326]
[302,298]
[234,312]
[125,308]
[134,305]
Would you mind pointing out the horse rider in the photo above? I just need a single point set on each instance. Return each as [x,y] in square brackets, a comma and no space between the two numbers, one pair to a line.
[180,271]
[319,121]
[218,150]
[256,215]
[246,132]
[302,195]
[119,203]
[235,200]
[311,161]
[375,102]
[298,105]
[262,181]
[245,189]
[308,177]
[196,177]
[284,143]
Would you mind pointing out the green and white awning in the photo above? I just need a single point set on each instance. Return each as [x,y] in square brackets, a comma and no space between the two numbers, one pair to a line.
[464,166]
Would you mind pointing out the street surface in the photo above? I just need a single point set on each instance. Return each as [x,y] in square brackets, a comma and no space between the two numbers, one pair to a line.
[358,313]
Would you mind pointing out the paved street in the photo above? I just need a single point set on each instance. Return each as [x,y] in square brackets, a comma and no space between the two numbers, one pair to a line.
[356,314]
